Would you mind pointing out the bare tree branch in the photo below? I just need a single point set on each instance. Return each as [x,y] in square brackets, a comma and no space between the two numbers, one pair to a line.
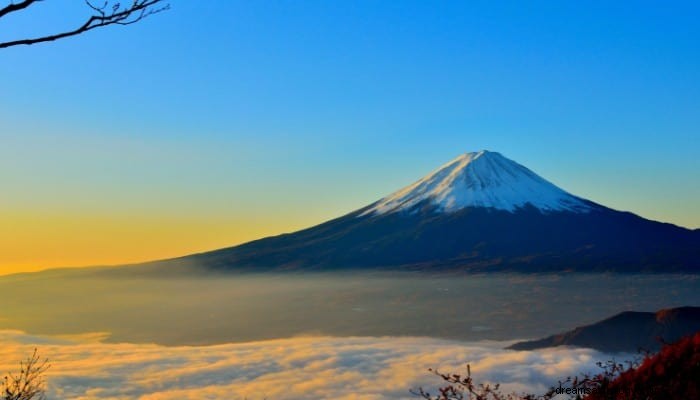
[16,7]
[29,383]
[106,14]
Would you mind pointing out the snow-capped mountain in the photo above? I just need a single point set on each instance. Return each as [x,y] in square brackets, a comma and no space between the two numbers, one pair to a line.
[479,212]
[481,179]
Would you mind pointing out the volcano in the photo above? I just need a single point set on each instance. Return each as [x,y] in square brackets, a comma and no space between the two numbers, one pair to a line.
[481,212]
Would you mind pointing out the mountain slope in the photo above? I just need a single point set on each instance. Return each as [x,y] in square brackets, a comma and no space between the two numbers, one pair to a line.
[480,212]
[626,332]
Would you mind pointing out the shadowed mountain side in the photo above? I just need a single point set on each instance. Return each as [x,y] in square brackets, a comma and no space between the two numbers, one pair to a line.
[626,332]
[474,239]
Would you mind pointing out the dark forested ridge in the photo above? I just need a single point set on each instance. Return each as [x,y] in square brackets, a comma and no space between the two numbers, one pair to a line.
[626,332]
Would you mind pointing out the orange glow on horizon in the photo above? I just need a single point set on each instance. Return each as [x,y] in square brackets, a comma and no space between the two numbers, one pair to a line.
[31,242]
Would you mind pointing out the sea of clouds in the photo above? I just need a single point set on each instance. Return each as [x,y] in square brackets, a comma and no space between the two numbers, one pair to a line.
[84,367]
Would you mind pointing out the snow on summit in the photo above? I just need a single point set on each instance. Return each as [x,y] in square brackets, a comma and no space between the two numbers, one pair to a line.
[481,179]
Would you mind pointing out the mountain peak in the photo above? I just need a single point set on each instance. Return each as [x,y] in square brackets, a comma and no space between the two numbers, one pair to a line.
[475,154]
[481,179]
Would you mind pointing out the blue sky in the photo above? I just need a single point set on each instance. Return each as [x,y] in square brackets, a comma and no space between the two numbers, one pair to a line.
[271,116]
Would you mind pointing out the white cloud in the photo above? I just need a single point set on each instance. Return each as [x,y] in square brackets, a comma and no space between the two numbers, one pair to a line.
[296,368]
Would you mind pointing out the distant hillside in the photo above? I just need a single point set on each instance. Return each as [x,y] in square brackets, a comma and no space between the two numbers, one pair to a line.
[626,332]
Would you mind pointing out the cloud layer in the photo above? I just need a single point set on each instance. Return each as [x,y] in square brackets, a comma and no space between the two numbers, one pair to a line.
[296,368]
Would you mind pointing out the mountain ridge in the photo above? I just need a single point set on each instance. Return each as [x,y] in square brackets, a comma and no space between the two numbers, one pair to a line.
[627,331]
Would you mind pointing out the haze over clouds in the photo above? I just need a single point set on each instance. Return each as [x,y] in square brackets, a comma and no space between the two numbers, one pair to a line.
[295,368]
[194,310]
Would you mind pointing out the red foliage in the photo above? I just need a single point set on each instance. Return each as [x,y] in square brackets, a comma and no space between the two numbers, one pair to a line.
[673,373]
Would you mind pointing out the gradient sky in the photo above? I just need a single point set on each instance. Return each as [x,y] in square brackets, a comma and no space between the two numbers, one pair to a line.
[222,121]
